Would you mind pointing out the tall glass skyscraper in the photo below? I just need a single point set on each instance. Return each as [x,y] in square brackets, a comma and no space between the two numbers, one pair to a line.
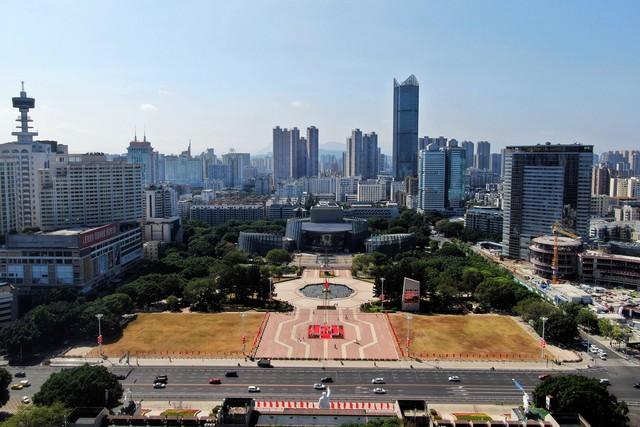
[405,128]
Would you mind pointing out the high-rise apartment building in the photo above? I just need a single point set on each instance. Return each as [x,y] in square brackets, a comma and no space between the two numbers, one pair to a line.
[600,179]
[142,153]
[89,191]
[495,165]
[405,127]
[483,155]
[160,202]
[353,154]
[237,162]
[543,184]
[8,195]
[370,155]
[281,154]
[468,152]
[312,151]
[184,169]
[455,180]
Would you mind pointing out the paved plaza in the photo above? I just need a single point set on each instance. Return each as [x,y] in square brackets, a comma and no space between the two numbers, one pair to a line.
[366,336]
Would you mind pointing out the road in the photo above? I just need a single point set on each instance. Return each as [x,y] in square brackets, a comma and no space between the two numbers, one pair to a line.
[350,384]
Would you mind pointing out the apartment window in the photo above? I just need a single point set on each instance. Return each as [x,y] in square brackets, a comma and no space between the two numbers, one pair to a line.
[40,274]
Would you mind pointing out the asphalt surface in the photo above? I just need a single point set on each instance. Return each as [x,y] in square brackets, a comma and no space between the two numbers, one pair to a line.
[350,384]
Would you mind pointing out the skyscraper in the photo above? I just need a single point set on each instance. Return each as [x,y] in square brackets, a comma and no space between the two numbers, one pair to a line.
[312,151]
[495,166]
[441,179]
[405,128]
[543,184]
[353,154]
[281,154]
[142,153]
[483,155]
[370,155]
[294,150]
[600,180]
[468,152]
[237,162]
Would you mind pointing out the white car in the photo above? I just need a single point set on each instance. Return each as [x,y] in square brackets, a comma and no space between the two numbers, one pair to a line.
[26,400]
[379,390]
[159,385]
[605,381]
[594,350]
[454,378]
[378,380]
[603,356]
[25,383]
[253,389]
[319,386]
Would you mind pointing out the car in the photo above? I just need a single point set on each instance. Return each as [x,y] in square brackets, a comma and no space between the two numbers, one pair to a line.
[379,390]
[264,363]
[319,386]
[594,349]
[543,376]
[605,381]
[121,377]
[253,389]
[378,380]
[231,374]
[326,380]
[26,400]
[25,383]
[20,374]
[636,385]
[215,381]
[454,378]
[16,386]
[161,379]
[159,385]
[603,356]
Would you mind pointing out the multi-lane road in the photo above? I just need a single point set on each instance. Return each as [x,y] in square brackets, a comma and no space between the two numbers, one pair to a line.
[482,386]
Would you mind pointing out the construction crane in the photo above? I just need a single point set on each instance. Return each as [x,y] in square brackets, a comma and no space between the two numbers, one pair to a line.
[558,229]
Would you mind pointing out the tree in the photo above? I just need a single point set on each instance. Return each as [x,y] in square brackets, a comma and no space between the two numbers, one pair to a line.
[278,257]
[173,304]
[588,319]
[5,380]
[84,386]
[471,278]
[496,293]
[534,308]
[559,327]
[202,294]
[41,416]
[583,395]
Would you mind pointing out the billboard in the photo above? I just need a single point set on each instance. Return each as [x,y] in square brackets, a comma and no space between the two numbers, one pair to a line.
[410,295]
[96,235]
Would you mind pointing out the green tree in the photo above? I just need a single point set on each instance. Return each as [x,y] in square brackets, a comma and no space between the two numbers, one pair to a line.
[202,295]
[173,304]
[278,257]
[496,293]
[5,380]
[559,327]
[41,416]
[588,319]
[583,395]
[534,308]
[84,386]
[471,278]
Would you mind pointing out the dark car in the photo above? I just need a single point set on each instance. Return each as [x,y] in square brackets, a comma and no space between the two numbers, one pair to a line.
[231,374]
[636,385]
[264,363]
[20,374]
[326,380]
[161,379]
[121,377]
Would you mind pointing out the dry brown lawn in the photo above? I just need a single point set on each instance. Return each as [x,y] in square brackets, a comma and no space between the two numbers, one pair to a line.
[186,335]
[467,337]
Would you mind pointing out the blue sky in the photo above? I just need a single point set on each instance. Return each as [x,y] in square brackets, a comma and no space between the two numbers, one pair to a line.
[224,73]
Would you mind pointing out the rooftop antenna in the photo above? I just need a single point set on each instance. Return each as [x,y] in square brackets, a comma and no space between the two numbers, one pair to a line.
[144,137]
[22,83]
[135,133]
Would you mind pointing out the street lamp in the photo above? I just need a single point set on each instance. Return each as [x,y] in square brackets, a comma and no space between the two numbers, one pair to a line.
[408,317]
[99,317]
[382,294]
[244,337]
[544,343]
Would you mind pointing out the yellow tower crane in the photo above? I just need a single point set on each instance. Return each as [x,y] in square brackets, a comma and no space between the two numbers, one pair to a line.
[558,229]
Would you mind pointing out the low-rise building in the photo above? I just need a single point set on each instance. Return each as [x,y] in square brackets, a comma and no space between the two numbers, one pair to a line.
[483,219]
[390,243]
[166,230]
[261,243]
[219,214]
[610,270]
[366,211]
[82,258]
[541,252]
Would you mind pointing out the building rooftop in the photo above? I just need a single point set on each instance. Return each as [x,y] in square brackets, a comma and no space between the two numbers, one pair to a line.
[562,241]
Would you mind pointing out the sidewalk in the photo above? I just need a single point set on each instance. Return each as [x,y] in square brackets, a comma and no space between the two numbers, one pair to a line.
[331,364]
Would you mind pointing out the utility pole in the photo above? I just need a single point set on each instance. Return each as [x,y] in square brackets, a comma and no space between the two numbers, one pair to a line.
[99,317]
[382,294]
[244,337]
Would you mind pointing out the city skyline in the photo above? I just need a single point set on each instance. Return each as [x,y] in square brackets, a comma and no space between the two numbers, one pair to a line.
[490,78]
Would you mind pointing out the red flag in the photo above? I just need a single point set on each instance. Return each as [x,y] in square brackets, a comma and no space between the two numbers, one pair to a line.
[326,284]
[99,339]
